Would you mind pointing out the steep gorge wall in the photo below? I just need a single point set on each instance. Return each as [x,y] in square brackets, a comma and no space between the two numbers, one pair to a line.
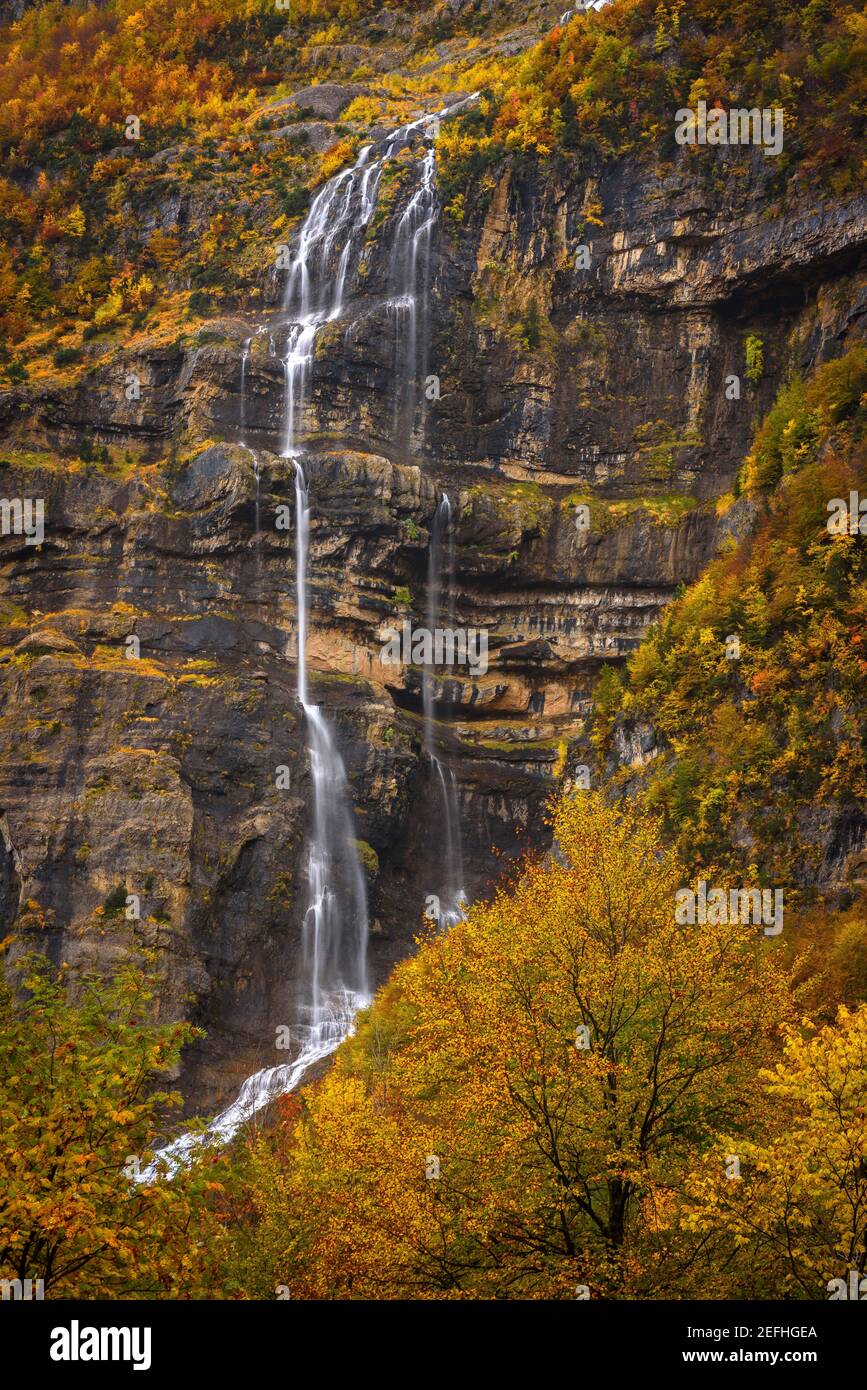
[159,774]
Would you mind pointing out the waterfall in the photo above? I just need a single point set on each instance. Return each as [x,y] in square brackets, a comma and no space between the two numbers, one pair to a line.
[452,897]
[322,272]
[333,981]
[408,299]
[333,985]
[257,523]
[242,415]
[334,962]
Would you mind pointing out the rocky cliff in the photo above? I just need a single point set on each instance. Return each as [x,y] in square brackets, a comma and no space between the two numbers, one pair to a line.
[585,320]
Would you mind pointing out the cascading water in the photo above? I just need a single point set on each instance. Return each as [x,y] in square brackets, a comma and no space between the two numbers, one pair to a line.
[451,897]
[334,966]
[245,359]
[242,431]
[410,260]
[333,983]
[324,268]
[334,973]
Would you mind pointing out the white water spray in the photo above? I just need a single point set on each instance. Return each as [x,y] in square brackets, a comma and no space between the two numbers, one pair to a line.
[409,286]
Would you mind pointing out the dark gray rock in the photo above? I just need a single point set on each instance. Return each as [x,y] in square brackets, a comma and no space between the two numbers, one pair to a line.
[326,99]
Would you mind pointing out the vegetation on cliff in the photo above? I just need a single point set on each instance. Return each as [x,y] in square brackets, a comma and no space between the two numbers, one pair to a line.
[570,1093]
[617,78]
[89,254]
[754,679]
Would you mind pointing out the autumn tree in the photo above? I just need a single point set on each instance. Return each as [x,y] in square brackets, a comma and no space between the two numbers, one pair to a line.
[518,1114]
[80,1098]
[795,1213]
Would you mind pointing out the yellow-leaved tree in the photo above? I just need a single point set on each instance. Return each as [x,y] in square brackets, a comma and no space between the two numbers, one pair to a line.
[520,1110]
[796,1215]
[81,1101]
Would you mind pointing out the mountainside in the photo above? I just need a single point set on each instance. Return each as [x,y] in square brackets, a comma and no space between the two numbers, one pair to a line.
[582,298]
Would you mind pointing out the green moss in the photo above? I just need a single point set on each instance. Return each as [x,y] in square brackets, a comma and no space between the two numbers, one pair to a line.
[524,502]
[87,460]
[394,178]
[520,747]
[662,509]
[369,858]
[583,333]
[13,615]
[515,304]
[199,681]
[326,678]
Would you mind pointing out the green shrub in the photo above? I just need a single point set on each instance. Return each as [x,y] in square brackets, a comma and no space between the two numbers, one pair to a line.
[804,415]
[65,356]
[754,352]
[115,903]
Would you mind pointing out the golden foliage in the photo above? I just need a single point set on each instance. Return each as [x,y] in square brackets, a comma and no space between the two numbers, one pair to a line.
[469,1144]
[796,1217]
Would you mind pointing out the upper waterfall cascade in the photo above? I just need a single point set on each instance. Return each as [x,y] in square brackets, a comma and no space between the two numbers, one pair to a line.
[323,275]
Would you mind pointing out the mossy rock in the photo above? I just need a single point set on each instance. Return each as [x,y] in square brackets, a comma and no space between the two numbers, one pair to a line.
[369,859]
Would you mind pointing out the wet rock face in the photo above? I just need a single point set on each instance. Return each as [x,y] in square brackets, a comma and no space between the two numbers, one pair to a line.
[148,686]
[139,733]
[152,743]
